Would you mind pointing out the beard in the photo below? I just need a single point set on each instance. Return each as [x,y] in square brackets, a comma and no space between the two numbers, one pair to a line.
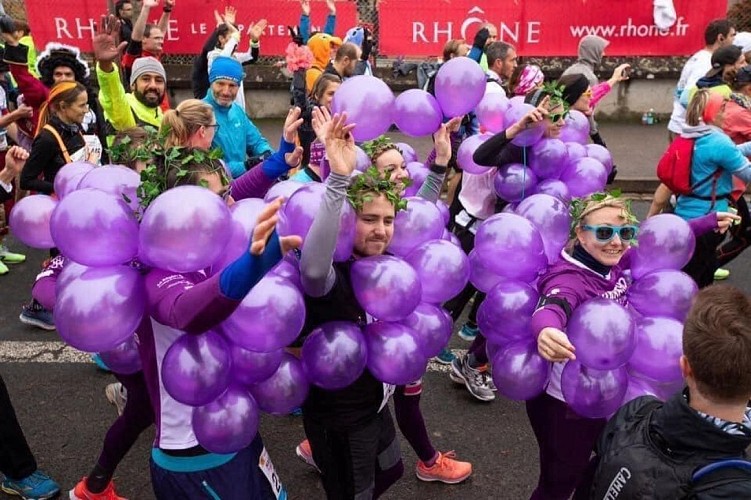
[151,98]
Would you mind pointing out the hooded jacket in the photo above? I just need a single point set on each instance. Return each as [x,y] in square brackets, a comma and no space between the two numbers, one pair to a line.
[320,45]
[591,50]
[123,110]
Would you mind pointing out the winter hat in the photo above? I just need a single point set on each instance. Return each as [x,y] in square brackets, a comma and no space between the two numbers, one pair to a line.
[573,87]
[144,65]
[226,68]
[355,35]
[531,76]
[724,56]
[55,55]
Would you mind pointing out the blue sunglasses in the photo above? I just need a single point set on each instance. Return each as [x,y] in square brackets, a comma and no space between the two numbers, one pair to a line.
[604,234]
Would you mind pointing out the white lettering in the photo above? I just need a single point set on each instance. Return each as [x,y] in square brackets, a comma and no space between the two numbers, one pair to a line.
[172,31]
[469,22]
[533,32]
[437,31]
[418,30]
[513,34]
[618,483]
[61,26]
[81,27]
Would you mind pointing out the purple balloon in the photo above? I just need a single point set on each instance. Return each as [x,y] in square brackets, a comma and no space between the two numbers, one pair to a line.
[68,177]
[185,229]
[659,347]
[584,177]
[636,389]
[480,276]
[417,173]
[244,215]
[663,293]
[285,390]
[530,135]
[506,312]
[511,246]
[519,372]
[593,393]
[284,189]
[386,287]
[250,367]
[229,424]
[420,222]
[116,180]
[433,326]
[417,113]
[363,160]
[453,239]
[514,182]
[95,228]
[394,353]
[71,271]
[602,332]
[123,359]
[576,128]
[444,209]
[554,188]
[465,152]
[551,217]
[270,316]
[443,270]
[101,308]
[459,86]
[491,110]
[30,220]
[368,102]
[196,368]
[665,242]
[548,158]
[575,151]
[334,355]
[408,152]
[289,269]
[601,154]
[300,210]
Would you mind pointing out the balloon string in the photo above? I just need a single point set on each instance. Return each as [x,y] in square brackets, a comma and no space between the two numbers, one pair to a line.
[524,170]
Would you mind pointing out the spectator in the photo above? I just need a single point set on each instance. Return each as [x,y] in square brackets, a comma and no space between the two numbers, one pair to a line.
[321,45]
[304,27]
[124,12]
[345,62]
[486,35]
[502,61]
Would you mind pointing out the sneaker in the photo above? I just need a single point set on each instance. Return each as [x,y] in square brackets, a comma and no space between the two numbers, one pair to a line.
[117,395]
[446,357]
[721,274]
[3,268]
[489,381]
[10,257]
[35,315]
[473,379]
[36,486]
[305,454]
[100,364]
[297,412]
[445,469]
[81,492]
[469,332]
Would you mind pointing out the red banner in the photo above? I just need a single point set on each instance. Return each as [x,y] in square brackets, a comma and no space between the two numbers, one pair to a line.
[72,22]
[544,27]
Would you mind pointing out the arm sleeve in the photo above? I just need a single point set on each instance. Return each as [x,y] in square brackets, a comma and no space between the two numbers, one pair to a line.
[330,25]
[557,302]
[304,28]
[252,184]
[133,52]
[274,166]
[34,92]
[316,270]
[599,91]
[431,188]
[475,54]
[255,143]
[489,152]
[112,98]
[238,278]
[42,153]
[704,224]
[243,57]
[745,148]
[732,160]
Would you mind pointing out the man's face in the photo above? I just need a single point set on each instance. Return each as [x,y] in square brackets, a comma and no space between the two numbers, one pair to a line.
[728,39]
[149,89]
[225,92]
[154,43]
[349,66]
[126,12]
[509,64]
[492,34]
[63,74]
[375,227]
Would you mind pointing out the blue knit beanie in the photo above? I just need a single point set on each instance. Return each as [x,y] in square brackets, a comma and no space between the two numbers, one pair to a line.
[226,68]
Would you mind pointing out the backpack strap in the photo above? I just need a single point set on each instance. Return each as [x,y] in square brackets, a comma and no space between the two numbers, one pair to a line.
[49,128]
[720,473]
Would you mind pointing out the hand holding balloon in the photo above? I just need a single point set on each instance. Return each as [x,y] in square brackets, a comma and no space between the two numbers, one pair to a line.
[553,345]
[535,116]
[725,220]
[442,140]
[339,142]
[265,227]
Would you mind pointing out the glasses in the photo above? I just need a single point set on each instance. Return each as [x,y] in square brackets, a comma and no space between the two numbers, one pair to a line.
[215,126]
[604,234]
[226,193]
[588,93]
[558,116]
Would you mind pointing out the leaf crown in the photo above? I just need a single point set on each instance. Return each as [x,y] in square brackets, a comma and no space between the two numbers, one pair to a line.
[371,184]
[581,207]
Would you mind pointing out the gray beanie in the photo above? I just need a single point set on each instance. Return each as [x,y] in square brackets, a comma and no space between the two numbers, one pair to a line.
[146,65]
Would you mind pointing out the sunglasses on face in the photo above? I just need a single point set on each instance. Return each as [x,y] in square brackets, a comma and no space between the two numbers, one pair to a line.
[555,117]
[604,234]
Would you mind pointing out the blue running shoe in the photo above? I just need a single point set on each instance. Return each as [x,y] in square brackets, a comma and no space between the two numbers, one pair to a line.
[446,357]
[297,412]
[36,486]
[99,362]
[469,332]
[35,315]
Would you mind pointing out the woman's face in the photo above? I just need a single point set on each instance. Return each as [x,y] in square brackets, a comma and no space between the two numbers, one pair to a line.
[554,121]
[375,227]
[392,161]
[719,119]
[219,185]
[75,112]
[203,137]
[328,95]
[583,103]
[609,252]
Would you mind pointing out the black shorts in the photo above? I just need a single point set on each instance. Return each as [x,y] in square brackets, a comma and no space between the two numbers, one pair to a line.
[350,458]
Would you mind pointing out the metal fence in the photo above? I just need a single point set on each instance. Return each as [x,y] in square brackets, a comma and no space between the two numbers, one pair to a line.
[740,14]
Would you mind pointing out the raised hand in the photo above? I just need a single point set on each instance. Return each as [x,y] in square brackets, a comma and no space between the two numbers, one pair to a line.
[265,227]
[150,4]
[340,145]
[169,4]
[294,158]
[256,30]
[331,4]
[105,42]
[24,111]
[442,139]
[291,124]
[15,159]
[305,6]
[230,15]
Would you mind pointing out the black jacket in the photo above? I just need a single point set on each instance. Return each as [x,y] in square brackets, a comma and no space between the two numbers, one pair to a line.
[652,450]
[46,157]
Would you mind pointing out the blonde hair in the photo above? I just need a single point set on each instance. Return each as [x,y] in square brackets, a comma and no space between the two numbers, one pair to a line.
[695,110]
[182,122]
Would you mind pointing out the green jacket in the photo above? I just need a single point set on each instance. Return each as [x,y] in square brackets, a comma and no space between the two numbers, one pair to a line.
[122,109]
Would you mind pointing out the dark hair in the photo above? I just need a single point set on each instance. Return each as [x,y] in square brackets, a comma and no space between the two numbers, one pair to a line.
[125,143]
[717,343]
[62,93]
[147,30]
[497,50]
[348,49]
[119,6]
[322,83]
[20,25]
[221,30]
[716,28]
[451,48]
[514,80]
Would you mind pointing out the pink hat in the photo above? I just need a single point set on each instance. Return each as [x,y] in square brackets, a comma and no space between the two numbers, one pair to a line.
[531,76]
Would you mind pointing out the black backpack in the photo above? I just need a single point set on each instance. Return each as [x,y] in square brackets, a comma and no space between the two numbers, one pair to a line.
[635,463]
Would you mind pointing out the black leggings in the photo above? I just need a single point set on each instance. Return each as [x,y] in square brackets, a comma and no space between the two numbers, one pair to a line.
[16,459]
[740,236]
[703,263]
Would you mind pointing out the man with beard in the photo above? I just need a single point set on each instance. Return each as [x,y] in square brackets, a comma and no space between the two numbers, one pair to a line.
[147,83]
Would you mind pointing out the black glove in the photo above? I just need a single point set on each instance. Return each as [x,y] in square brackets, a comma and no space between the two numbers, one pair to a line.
[294,32]
[367,44]
[7,25]
[481,39]
[612,176]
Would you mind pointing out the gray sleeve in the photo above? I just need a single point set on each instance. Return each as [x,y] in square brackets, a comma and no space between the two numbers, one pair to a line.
[431,188]
[316,270]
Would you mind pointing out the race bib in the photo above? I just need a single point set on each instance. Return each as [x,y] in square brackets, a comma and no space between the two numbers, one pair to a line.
[267,467]
[465,220]
[388,391]
[93,145]
[79,155]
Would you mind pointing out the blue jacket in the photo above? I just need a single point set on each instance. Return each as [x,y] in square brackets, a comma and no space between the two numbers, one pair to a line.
[236,136]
